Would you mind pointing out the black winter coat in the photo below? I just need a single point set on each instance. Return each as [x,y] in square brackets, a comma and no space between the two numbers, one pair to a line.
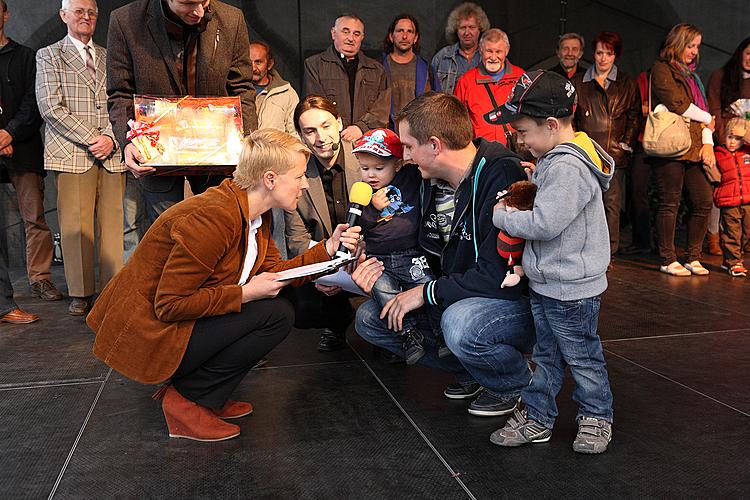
[20,115]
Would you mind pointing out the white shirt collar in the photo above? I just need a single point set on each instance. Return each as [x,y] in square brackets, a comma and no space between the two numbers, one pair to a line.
[79,45]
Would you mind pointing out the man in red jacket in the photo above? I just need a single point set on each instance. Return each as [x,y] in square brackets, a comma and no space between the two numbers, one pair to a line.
[487,86]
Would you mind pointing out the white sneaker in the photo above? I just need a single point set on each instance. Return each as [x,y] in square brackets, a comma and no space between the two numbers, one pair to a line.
[675,269]
[696,268]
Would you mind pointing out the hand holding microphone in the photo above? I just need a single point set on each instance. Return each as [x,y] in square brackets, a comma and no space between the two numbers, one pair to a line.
[359,197]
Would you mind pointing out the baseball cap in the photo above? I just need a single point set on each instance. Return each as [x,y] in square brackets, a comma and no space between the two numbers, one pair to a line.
[539,94]
[380,142]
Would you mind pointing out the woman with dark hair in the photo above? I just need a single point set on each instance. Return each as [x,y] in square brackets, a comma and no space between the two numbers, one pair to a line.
[729,83]
[676,86]
[609,112]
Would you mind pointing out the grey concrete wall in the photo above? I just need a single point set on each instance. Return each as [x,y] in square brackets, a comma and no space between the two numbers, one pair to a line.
[297,28]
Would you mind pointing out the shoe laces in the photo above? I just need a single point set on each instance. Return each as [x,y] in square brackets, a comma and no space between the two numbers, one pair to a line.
[45,285]
[412,338]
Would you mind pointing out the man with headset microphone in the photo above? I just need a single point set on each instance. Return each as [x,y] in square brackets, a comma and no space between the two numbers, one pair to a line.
[331,172]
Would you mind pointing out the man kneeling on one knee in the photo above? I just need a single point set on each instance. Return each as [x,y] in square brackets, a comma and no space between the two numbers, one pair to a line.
[486,327]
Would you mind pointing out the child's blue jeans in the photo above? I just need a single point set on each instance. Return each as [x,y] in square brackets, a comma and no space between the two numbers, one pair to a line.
[566,336]
[404,269]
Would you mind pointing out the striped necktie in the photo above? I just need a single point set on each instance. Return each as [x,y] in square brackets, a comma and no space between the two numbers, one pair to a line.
[90,63]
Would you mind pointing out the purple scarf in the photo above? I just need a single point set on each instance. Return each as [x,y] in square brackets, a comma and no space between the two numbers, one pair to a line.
[698,93]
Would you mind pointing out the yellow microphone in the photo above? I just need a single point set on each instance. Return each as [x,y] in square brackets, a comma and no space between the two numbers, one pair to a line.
[359,197]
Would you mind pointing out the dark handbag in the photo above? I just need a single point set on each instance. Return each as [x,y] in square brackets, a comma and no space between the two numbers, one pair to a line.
[510,137]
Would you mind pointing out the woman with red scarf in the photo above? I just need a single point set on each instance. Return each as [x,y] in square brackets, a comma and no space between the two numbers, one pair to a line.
[676,85]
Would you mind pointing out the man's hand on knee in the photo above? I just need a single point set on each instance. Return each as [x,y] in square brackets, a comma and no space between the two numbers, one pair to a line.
[401,305]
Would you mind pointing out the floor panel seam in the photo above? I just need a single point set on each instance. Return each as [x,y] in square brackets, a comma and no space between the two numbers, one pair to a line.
[323,363]
[78,437]
[49,383]
[424,437]
[641,285]
[696,391]
[670,335]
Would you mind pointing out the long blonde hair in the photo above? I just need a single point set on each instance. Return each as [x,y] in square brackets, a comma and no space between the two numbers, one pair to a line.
[678,38]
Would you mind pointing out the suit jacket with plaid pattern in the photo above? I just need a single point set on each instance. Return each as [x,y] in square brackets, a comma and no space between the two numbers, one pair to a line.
[74,108]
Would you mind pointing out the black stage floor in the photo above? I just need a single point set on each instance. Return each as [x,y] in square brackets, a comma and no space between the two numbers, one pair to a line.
[344,425]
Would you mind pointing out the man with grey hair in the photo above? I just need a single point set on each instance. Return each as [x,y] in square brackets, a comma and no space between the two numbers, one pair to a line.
[21,156]
[80,148]
[569,51]
[487,86]
[462,30]
[355,83]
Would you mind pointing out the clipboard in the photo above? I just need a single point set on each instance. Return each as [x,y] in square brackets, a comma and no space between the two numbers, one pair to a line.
[321,268]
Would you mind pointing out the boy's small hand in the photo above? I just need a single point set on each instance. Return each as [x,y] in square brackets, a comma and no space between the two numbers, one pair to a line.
[380,199]
[528,168]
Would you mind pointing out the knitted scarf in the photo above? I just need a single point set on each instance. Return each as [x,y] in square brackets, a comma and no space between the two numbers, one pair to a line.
[697,91]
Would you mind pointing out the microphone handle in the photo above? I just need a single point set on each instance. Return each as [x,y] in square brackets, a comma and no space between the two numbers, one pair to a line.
[352,218]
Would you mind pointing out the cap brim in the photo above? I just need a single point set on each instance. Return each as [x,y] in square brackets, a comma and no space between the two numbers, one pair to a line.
[501,115]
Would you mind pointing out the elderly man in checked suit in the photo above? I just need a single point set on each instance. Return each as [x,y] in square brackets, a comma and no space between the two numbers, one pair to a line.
[79,146]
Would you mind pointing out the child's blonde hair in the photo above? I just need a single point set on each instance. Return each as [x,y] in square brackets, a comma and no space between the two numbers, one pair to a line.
[736,126]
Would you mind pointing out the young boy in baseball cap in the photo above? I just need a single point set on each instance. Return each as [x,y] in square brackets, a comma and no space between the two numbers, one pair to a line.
[390,225]
[565,258]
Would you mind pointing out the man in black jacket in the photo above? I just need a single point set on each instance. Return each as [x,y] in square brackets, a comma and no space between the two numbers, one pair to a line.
[21,156]
[487,327]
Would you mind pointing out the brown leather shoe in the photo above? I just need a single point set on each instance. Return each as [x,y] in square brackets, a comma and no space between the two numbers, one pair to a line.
[234,409]
[79,306]
[19,317]
[189,420]
[45,290]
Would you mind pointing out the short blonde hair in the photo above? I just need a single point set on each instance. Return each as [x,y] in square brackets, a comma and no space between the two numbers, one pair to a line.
[736,124]
[263,150]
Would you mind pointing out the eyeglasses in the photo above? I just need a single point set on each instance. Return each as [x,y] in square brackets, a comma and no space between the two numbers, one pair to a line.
[83,12]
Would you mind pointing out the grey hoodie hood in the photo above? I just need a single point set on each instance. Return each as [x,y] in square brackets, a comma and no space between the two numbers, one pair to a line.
[567,248]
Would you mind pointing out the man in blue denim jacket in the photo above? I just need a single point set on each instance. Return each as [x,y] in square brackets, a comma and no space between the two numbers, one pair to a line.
[464,26]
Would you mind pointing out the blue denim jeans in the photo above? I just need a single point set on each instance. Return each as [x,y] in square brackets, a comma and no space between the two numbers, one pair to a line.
[566,336]
[487,336]
[404,269]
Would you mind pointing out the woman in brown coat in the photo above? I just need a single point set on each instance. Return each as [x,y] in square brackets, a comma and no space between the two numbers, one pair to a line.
[675,84]
[196,305]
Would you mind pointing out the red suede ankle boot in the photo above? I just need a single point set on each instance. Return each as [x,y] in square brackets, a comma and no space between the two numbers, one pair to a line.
[234,409]
[189,420]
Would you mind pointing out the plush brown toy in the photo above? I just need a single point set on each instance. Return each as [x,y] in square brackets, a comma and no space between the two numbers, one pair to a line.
[519,196]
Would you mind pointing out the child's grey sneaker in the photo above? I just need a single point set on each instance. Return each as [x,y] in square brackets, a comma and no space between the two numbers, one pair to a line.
[462,391]
[520,430]
[594,434]
[487,405]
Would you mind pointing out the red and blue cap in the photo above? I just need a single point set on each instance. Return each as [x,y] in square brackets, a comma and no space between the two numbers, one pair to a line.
[380,142]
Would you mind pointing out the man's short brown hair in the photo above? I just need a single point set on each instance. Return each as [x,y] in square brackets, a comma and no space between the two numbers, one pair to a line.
[440,115]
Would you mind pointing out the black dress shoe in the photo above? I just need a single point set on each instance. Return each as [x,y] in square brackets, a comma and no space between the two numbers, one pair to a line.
[331,341]
[387,356]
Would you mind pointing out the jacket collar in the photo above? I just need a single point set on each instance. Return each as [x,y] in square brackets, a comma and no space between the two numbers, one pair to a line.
[72,58]
[315,194]
[331,55]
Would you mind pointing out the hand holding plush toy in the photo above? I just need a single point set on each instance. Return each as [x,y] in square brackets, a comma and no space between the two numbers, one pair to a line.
[519,196]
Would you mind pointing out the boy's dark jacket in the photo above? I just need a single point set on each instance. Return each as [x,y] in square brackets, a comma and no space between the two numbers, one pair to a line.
[471,267]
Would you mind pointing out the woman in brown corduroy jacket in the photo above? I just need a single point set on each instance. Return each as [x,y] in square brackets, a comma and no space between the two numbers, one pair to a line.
[196,304]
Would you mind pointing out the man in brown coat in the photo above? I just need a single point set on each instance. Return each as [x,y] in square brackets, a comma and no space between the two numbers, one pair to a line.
[175,48]
[355,83]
